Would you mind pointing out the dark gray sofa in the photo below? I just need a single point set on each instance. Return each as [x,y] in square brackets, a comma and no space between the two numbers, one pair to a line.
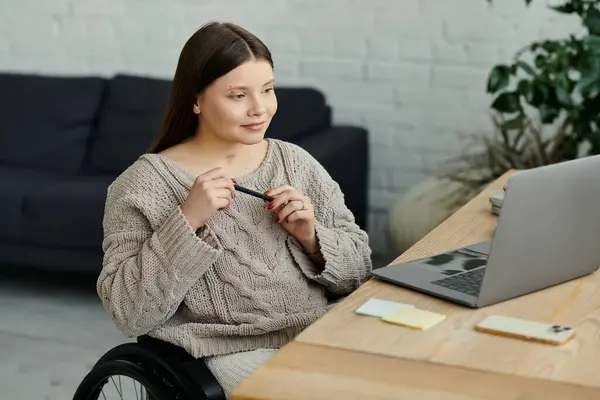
[63,140]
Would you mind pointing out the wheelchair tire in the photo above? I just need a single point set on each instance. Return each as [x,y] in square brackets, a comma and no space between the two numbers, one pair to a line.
[151,363]
[91,386]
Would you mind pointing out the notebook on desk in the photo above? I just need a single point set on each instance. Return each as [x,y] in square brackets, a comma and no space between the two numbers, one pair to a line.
[546,235]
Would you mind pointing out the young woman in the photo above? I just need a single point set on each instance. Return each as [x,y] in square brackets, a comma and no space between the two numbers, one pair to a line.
[190,260]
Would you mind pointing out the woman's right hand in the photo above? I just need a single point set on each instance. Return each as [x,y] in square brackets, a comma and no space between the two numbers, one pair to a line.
[212,191]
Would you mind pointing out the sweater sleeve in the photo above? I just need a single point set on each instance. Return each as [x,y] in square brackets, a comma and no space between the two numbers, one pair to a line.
[344,246]
[146,273]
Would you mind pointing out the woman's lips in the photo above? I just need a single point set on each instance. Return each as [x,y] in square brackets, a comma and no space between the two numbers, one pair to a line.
[256,126]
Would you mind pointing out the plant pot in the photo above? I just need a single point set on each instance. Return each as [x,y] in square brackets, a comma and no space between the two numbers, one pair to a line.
[423,208]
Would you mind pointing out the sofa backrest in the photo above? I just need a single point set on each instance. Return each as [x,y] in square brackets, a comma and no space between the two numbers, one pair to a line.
[103,125]
[128,122]
[300,111]
[46,121]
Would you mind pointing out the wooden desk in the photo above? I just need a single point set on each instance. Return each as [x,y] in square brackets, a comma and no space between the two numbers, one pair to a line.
[347,356]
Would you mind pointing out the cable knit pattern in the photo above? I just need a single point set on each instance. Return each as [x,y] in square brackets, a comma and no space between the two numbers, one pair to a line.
[239,283]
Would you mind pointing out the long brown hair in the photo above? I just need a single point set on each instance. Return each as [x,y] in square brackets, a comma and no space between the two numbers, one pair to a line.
[211,52]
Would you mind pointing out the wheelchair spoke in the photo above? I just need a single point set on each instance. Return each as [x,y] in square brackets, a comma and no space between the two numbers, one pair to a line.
[118,392]
[135,389]
[119,389]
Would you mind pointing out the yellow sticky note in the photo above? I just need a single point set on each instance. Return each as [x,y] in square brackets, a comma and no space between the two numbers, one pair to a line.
[414,318]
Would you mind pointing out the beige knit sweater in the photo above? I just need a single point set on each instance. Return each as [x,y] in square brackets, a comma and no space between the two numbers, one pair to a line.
[239,283]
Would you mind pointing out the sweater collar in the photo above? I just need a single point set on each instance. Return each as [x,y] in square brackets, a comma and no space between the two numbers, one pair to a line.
[166,165]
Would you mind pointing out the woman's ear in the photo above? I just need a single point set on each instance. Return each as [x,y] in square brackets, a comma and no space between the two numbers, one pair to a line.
[197,108]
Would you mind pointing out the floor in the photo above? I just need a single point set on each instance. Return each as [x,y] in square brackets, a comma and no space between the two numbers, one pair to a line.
[52,330]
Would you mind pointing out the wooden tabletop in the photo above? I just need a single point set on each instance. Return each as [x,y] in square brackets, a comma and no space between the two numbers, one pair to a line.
[347,356]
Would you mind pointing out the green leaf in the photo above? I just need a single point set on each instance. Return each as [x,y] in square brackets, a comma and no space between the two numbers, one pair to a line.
[537,94]
[544,89]
[592,20]
[540,61]
[507,102]
[550,45]
[573,114]
[513,124]
[589,82]
[593,43]
[523,87]
[526,90]
[563,81]
[566,8]
[526,67]
[498,79]
[548,114]
[534,96]
[563,97]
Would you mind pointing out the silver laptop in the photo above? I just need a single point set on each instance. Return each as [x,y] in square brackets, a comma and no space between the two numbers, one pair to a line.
[548,232]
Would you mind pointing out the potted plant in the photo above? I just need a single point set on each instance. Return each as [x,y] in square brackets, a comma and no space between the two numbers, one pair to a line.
[545,109]
[546,104]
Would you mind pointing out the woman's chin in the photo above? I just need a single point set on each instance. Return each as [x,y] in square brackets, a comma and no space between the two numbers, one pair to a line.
[251,139]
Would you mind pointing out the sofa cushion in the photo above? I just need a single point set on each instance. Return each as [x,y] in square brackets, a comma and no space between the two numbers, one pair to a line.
[129,122]
[16,184]
[46,121]
[67,213]
[300,111]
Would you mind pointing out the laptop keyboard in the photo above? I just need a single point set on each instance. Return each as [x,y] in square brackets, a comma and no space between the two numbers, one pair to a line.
[468,282]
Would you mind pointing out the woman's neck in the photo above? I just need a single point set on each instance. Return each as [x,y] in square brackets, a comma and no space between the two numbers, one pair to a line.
[211,148]
[202,153]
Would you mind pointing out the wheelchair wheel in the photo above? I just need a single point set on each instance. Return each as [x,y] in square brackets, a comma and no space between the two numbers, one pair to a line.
[154,365]
[123,380]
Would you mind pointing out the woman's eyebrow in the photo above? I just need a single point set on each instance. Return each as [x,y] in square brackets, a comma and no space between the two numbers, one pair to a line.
[245,87]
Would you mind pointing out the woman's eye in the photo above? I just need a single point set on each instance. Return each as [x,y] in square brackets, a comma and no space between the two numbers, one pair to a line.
[269,90]
[238,96]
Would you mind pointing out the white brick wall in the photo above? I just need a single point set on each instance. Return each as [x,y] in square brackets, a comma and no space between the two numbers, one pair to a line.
[412,71]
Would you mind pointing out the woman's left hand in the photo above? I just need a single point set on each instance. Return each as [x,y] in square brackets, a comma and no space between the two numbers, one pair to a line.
[296,214]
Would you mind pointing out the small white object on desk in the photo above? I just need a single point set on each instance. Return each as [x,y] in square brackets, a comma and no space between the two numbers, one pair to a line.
[380,308]
[526,330]
[497,199]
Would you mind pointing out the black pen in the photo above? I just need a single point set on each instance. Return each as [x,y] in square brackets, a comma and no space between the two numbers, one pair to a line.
[252,192]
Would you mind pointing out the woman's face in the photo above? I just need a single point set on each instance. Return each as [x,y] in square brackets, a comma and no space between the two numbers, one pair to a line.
[239,106]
